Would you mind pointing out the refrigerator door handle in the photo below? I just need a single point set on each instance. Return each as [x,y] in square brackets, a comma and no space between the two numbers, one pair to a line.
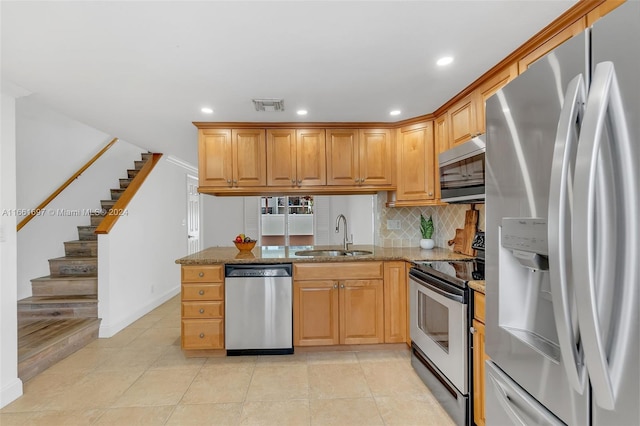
[559,201]
[606,366]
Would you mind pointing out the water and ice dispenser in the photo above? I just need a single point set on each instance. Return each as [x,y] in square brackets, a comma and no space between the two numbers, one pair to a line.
[526,308]
[527,240]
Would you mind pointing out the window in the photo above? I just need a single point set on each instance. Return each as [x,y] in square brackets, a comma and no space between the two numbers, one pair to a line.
[287,221]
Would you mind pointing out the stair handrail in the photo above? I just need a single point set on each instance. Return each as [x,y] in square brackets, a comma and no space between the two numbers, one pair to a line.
[120,206]
[54,194]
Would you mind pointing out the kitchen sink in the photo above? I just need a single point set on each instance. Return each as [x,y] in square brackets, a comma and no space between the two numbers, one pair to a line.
[332,253]
[357,252]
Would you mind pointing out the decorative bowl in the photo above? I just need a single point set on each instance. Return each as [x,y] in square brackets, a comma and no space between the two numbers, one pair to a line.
[248,246]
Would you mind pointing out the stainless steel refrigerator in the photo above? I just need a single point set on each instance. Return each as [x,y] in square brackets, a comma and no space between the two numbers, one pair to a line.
[562,233]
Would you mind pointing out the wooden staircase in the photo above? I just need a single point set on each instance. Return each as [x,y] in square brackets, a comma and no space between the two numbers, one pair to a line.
[61,316]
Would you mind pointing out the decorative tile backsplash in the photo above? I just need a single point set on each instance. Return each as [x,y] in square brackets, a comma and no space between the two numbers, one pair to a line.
[445,220]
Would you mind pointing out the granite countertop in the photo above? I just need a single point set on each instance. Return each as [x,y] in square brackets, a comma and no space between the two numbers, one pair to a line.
[280,254]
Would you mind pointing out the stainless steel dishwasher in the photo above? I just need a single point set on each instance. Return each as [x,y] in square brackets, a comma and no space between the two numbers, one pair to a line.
[258,309]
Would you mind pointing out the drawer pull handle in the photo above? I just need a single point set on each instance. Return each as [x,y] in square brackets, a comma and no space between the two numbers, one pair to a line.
[201,311]
[202,335]
[201,274]
[201,292]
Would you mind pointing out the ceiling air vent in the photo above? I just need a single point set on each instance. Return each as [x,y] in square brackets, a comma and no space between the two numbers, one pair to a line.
[268,104]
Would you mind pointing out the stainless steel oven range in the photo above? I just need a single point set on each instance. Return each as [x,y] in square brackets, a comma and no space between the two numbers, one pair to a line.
[440,321]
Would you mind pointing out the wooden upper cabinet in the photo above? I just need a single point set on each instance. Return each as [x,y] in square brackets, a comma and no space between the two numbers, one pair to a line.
[463,120]
[490,87]
[281,157]
[359,157]
[574,29]
[296,157]
[602,10]
[249,157]
[441,131]
[232,158]
[311,166]
[375,157]
[342,157]
[417,168]
[214,157]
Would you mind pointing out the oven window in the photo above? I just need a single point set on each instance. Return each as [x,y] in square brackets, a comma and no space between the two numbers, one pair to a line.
[433,320]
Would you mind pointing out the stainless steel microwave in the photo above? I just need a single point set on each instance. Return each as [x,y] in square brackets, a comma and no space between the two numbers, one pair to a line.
[462,172]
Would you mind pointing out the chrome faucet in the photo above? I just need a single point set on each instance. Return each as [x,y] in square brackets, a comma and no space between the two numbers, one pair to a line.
[345,241]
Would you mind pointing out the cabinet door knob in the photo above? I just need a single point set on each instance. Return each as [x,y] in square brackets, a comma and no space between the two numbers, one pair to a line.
[235,182]
[299,182]
[431,194]
[229,182]
[335,286]
[472,330]
[341,285]
[201,274]
[201,292]
[201,311]
[202,335]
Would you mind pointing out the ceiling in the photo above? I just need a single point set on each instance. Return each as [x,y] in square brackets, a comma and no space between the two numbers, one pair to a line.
[143,70]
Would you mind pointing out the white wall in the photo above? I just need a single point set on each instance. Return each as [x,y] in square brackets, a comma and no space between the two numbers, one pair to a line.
[359,211]
[10,384]
[136,267]
[222,220]
[57,146]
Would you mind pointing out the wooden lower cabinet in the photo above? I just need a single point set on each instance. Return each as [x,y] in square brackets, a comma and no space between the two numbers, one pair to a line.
[347,312]
[336,311]
[479,358]
[315,313]
[202,313]
[203,334]
[395,302]
[361,312]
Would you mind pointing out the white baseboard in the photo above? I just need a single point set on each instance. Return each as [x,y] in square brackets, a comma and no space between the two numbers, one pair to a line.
[109,330]
[10,392]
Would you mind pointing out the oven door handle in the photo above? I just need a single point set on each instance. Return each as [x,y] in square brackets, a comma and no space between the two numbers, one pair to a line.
[441,287]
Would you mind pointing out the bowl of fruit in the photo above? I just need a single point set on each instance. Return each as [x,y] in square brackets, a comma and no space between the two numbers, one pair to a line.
[244,243]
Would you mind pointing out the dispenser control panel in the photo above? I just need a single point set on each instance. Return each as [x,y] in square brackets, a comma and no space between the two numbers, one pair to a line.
[525,234]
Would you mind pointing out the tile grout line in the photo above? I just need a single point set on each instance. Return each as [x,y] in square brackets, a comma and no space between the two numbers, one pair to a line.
[370,391]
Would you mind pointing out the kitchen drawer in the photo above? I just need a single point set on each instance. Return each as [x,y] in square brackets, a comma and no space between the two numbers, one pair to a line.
[213,291]
[202,334]
[337,271]
[203,309]
[203,274]
[478,303]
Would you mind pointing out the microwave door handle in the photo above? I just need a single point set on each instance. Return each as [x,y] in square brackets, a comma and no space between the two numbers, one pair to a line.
[566,138]
[605,369]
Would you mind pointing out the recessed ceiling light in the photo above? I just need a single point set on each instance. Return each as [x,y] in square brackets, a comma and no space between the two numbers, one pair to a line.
[395,112]
[207,110]
[302,112]
[446,60]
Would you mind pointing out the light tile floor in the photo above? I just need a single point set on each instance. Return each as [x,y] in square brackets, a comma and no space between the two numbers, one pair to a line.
[141,377]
